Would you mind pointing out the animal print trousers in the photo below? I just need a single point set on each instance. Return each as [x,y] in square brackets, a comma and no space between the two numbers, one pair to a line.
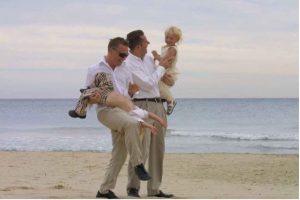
[96,94]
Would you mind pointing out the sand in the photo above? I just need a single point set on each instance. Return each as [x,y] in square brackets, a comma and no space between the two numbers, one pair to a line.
[79,174]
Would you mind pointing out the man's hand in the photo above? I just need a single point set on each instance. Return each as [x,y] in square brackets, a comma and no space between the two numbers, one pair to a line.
[132,89]
[167,79]
[166,62]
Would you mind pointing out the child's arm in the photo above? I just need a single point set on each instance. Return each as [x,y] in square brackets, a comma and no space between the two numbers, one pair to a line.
[171,53]
[155,117]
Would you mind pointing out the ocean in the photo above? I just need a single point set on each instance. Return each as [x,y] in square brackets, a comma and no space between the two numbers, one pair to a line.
[264,126]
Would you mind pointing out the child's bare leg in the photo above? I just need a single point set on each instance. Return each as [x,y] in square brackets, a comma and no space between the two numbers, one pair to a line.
[158,119]
[153,129]
[115,99]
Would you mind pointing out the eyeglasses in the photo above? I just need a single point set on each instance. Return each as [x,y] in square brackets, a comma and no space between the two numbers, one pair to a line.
[121,54]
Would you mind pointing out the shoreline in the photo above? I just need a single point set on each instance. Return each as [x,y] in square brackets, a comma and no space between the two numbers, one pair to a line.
[30,174]
[179,153]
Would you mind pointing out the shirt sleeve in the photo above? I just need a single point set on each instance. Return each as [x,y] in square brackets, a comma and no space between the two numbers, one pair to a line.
[124,78]
[147,82]
[124,90]
[89,78]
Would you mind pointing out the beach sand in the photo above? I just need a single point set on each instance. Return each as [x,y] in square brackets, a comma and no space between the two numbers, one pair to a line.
[79,174]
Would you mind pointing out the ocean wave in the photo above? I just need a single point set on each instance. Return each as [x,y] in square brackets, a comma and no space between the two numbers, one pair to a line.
[261,146]
[67,128]
[52,149]
[47,129]
[230,136]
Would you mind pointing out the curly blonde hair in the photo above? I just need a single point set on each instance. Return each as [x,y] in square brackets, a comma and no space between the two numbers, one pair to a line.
[175,31]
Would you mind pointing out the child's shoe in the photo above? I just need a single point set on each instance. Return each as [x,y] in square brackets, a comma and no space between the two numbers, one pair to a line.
[73,114]
[170,107]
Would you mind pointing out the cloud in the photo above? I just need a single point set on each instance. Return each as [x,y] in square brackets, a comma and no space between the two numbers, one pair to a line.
[243,38]
[52,46]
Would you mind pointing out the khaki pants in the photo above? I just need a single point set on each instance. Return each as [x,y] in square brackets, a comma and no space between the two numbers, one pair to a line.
[153,147]
[125,139]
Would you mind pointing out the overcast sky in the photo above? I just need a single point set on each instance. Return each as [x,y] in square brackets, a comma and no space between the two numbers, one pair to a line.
[230,48]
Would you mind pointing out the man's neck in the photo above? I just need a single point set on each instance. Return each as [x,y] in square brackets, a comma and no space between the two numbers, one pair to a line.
[110,63]
[137,54]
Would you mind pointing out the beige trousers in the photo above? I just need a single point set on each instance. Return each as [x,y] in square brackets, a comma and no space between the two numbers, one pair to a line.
[153,148]
[125,139]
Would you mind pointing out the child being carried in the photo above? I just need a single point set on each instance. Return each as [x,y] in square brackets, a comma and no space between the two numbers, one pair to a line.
[172,36]
[102,92]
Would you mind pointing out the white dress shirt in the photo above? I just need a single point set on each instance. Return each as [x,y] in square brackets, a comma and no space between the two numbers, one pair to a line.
[121,77]
[146,75]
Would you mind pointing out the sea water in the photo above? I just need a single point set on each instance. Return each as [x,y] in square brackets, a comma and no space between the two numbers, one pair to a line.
[196,126]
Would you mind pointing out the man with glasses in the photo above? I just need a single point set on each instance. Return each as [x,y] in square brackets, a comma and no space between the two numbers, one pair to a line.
[147,75]
[124,128]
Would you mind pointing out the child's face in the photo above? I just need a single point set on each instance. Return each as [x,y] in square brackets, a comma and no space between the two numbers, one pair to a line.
[171,39]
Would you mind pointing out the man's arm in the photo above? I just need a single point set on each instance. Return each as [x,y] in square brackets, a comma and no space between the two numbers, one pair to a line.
[147,82]
[132,89]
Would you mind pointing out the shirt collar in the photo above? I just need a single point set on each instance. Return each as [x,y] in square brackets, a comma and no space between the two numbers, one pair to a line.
[135,57]
[103,62]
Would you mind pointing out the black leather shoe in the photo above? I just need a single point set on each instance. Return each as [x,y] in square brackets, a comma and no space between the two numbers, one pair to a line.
[73,114]
[109,195]
[141,172]
[133,192]
[163,195]
[84,89]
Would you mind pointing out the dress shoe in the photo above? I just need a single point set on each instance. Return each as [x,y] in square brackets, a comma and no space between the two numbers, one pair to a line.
[73,114]
[163,195]
[141,172]
[108,195]
[133,192]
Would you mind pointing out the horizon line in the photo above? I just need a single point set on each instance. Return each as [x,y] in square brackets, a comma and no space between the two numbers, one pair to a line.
[176,98]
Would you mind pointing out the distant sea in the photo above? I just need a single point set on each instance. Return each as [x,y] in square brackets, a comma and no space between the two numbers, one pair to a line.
[265,126]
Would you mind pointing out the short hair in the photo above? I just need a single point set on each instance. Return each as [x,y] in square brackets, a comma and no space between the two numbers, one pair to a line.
[174,30]
[115,42]
[134,38]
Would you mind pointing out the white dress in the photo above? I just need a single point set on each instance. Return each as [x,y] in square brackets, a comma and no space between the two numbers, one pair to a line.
[164,89]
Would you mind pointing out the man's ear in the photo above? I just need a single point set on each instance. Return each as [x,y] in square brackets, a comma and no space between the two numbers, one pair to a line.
[110,50]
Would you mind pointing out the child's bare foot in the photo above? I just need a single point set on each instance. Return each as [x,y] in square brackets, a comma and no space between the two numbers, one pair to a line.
[153,129]
[171,106]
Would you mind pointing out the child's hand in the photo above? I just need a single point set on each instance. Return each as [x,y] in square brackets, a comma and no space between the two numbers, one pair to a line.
[155,55]
[154,130]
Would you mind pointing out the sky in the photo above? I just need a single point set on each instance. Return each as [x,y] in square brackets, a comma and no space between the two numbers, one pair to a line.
[230,48]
